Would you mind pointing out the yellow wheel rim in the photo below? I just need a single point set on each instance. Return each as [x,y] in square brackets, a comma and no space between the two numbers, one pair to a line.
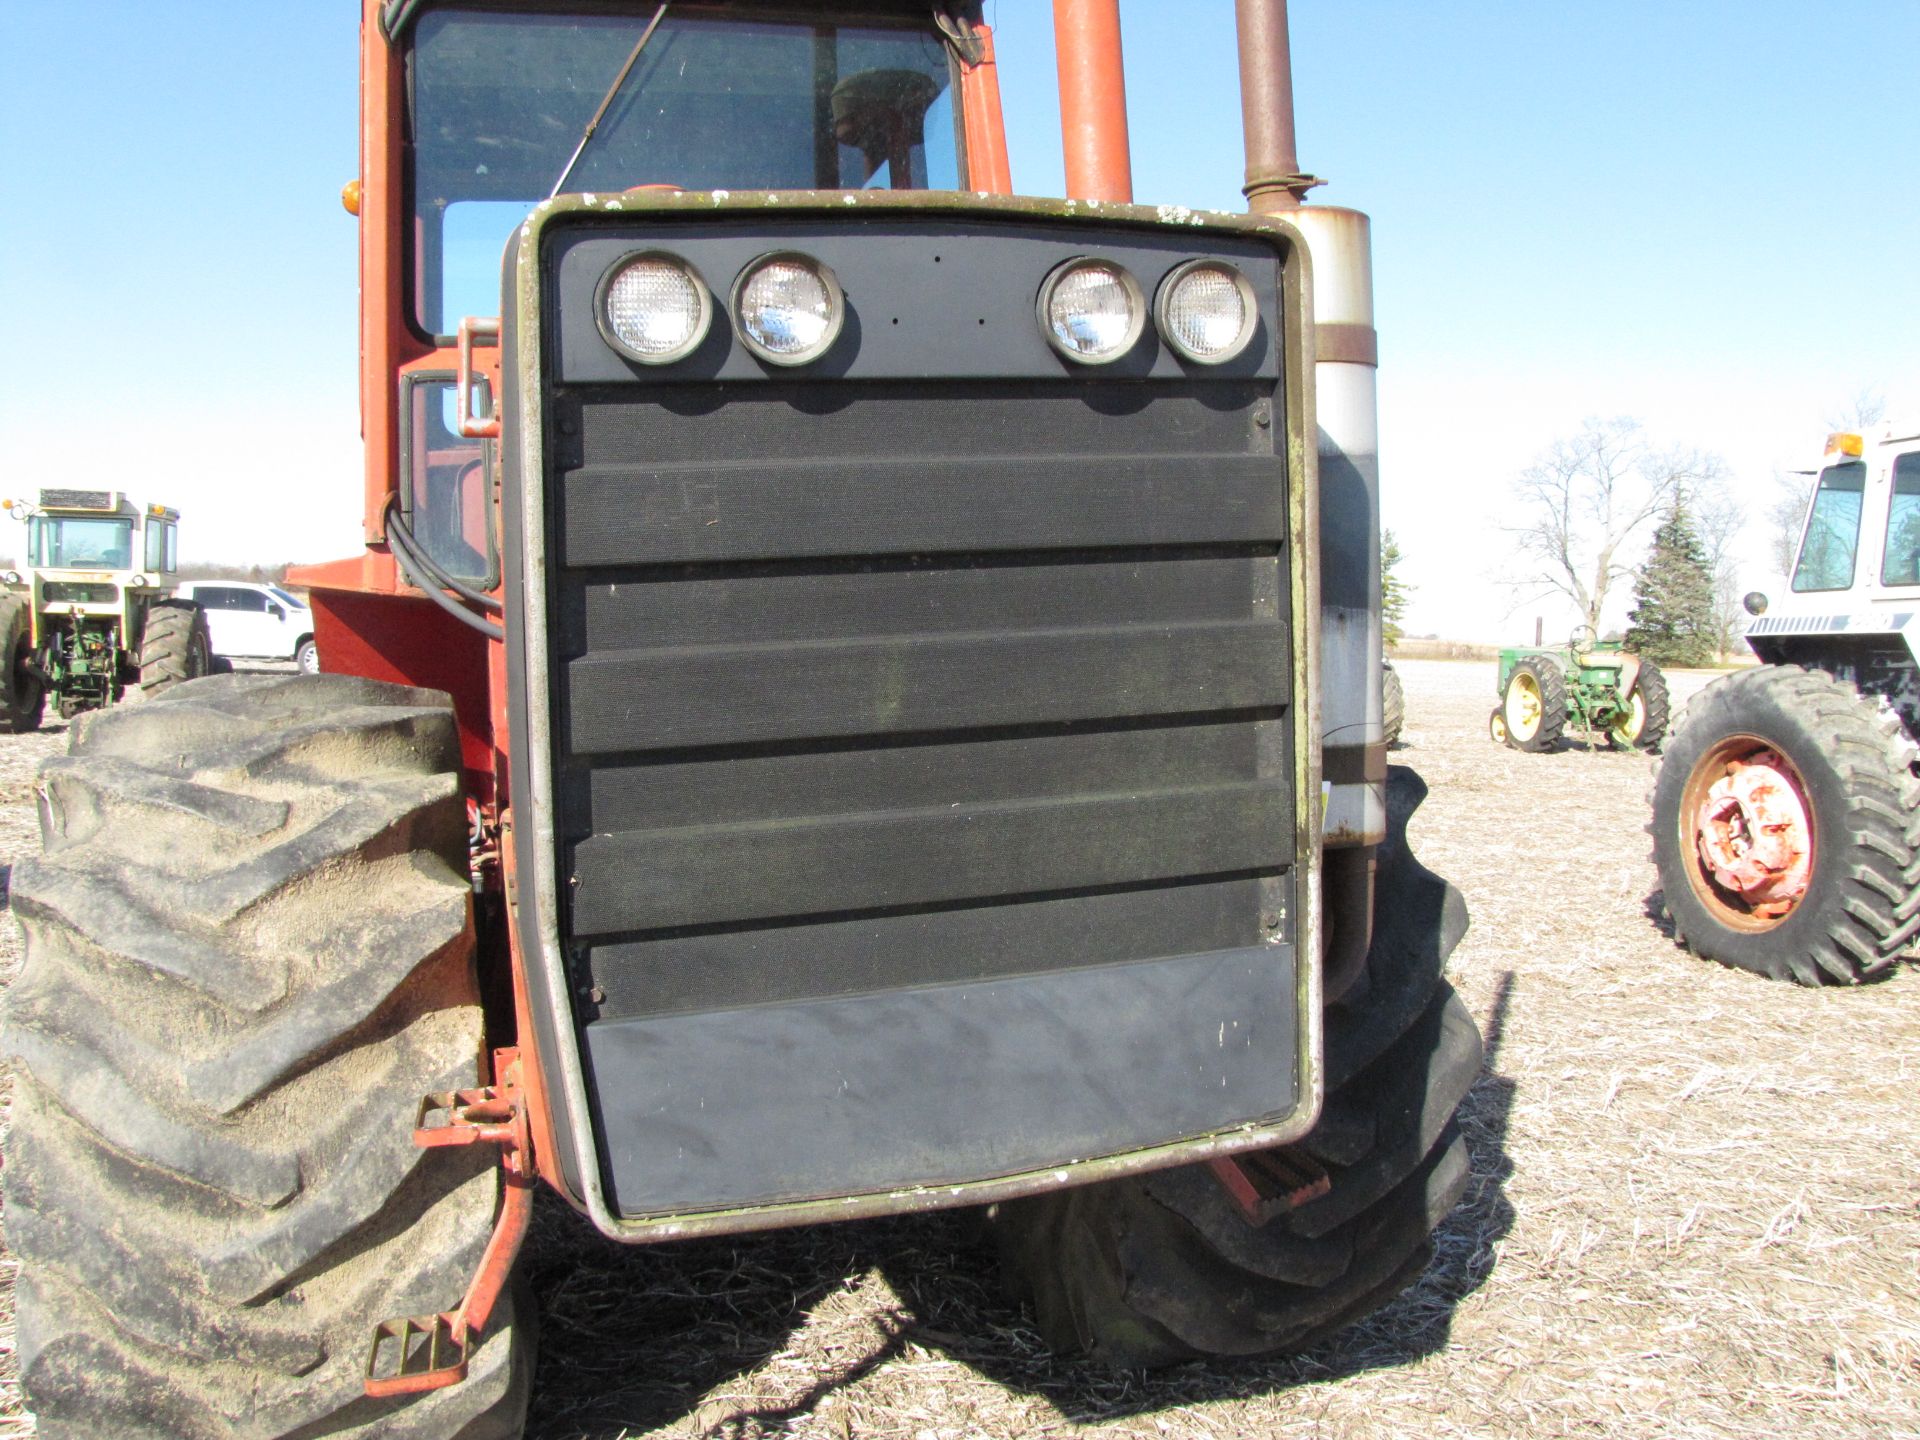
[1524,706]
[1628,727]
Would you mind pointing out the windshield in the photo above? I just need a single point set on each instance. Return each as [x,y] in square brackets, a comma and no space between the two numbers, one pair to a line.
[90,543]
[1833,529]
[287,597]
[1900,561]
[500,100]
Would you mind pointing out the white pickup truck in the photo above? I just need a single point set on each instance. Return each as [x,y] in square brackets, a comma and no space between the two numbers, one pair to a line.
[255,622]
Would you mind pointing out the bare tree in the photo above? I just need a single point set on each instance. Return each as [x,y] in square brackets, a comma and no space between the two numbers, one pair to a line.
[1719,520]
[1583,502]
[1866,410]
[1788,512]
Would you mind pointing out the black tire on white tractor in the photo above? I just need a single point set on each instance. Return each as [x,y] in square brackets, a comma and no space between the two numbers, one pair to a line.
[1850,763]
[1162,1268]
[1644,725]
[174,646]
[1534,704]
[1393,705]
[249,953]
[23,698]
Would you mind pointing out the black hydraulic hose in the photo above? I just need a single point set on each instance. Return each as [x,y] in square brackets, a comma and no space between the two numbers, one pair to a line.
[423,563]
[422,579]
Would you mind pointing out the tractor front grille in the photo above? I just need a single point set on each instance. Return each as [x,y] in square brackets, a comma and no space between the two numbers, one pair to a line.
[886,705]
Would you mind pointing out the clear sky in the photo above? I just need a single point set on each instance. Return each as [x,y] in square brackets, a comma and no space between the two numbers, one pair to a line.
[1704,215]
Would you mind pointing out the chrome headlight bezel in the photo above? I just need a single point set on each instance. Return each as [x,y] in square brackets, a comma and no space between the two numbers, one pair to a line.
[1249,310]
[836,299]
[603,315]
[1136,309]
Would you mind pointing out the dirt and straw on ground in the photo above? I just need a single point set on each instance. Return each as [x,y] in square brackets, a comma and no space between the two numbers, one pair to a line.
[1695,1209]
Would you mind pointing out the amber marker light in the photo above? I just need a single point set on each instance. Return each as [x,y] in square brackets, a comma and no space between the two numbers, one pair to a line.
[350,196]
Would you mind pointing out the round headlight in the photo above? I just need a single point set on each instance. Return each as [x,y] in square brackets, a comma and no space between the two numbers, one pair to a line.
[12,577]
[789,308]
[1091,310]
[654,309]
[138,582]
[1206,311]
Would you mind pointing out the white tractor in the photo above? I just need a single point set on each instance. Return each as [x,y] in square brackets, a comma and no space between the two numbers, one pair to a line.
[1786,811]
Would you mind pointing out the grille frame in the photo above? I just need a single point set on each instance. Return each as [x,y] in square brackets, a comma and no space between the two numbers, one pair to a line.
[536,845]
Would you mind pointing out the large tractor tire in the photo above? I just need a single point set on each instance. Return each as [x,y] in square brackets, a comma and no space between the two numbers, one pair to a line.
[1534,704]
[1162,1268]
[175,646]
[1783,827]
[249,954]
[1393,705]
[23,699]
[1642,724]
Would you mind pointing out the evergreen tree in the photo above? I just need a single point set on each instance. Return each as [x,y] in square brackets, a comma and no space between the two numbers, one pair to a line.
[1672,619]
[1393,591]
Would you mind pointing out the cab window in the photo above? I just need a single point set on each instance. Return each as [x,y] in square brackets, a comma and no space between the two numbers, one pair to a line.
[447,499]
[65,541]
[1900,562]
[499,99]
[1833,529]
[162,546]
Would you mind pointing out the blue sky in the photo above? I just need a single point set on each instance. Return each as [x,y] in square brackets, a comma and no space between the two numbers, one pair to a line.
[1703,215]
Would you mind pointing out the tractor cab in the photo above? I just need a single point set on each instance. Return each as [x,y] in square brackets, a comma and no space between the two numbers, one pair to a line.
[1858,566]
[93,554]
[508,109]
[99,530]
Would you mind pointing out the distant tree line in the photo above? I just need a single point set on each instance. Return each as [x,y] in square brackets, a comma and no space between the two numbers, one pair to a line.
[259,574]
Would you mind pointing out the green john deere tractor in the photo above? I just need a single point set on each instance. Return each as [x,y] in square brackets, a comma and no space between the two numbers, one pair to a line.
[1594,683]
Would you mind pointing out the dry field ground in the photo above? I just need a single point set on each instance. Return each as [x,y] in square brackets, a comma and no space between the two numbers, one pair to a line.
[1695,1211]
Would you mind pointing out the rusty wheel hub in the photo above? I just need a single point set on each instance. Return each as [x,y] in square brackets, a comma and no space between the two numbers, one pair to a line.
[1752,833]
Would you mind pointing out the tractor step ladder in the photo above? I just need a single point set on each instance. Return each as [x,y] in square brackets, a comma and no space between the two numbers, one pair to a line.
[429,1352]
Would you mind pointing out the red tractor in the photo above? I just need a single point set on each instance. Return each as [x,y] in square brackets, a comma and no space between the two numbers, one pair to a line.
[862,695]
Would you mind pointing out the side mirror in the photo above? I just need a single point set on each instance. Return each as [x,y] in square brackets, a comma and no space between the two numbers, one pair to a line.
[275,611]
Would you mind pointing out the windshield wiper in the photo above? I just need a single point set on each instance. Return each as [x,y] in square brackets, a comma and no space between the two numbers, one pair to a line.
[607,100]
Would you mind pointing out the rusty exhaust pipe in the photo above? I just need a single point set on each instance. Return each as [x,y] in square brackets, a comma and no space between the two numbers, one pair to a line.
[1093,100]
[1274,178]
